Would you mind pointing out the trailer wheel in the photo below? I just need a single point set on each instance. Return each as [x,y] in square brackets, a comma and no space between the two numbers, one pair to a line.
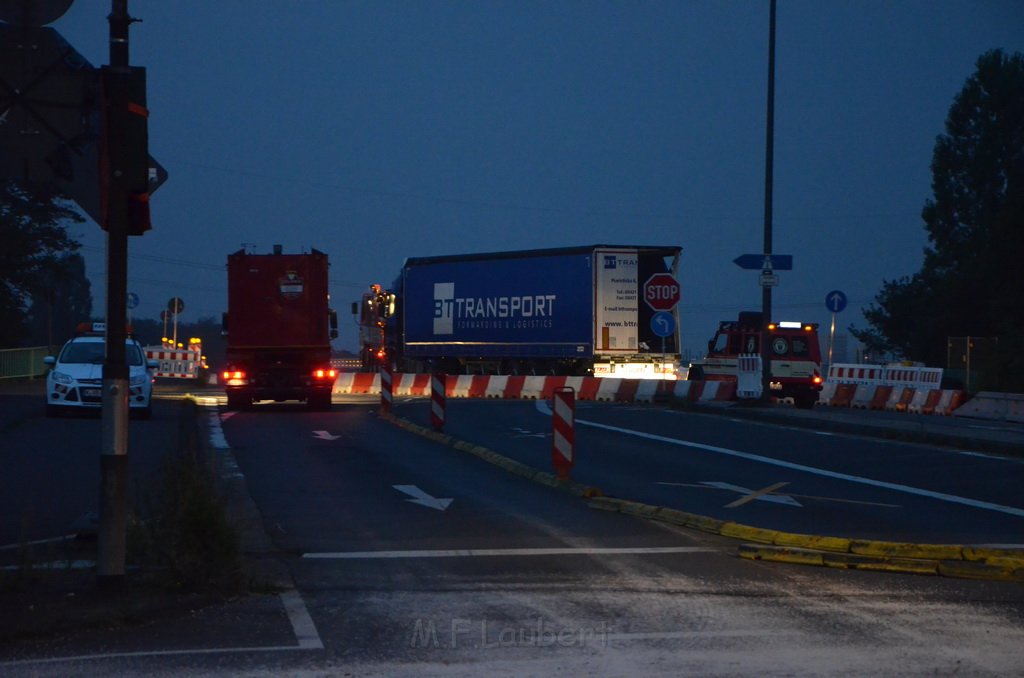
[237,401]
[805,401]
[319,402]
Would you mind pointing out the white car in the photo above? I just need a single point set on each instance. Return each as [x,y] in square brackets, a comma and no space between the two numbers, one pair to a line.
[76,378]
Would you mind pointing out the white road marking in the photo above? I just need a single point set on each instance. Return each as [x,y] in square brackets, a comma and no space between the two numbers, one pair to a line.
[897,487]
[422,498]
[302,626]
[489,553]
[325,435]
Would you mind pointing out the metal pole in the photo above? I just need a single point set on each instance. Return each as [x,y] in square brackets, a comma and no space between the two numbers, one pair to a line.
[831,339]
[766,290]
[113,508]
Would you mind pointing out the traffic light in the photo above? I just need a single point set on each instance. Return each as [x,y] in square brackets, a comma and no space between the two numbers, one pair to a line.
[125,146]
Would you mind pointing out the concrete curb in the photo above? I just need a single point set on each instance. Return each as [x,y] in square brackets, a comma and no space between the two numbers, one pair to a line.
[264,568]
[966,562]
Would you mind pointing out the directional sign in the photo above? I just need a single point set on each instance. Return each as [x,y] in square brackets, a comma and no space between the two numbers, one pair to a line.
[50,110]
[663,324]
[48,103]
[661,291]
[835,301]
[775,262]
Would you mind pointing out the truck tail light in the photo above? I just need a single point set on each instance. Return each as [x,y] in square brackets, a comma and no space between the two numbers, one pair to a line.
[235,377]
[328,373]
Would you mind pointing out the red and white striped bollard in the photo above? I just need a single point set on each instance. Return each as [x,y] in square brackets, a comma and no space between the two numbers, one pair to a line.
[385,387]
[438,384]
[563,439]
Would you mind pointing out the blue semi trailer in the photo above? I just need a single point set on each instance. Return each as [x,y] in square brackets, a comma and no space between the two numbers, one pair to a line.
[576,310]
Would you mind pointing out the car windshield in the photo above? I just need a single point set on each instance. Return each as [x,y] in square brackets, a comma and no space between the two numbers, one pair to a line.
[91,352]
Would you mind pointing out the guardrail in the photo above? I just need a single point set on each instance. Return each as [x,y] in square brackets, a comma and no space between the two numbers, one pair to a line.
[21,363]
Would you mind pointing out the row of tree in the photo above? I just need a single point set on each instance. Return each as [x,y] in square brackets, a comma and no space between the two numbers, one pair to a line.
[44,291]
[971,282]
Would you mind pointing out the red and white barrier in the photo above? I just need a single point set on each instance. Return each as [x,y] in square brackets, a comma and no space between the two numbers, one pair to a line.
[386,388]
[749,376]
[512,386]
[175,363]
[994,406]
[563,438]
[893,397]
[438,400]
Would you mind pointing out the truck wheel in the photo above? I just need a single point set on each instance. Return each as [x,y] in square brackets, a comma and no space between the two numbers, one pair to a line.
[805,401]
[319,402]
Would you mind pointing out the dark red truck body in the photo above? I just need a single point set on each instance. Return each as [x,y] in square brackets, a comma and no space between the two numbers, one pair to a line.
[279,328]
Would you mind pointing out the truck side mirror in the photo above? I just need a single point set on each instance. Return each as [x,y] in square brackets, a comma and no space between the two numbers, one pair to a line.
[224,324]
[333,320]
[355,308]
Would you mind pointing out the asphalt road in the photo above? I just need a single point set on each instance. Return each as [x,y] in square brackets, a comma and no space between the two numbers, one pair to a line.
[812,482]
[49,486]
[407,557]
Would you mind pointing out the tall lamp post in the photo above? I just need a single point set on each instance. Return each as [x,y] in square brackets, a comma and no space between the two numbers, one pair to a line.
[766,290]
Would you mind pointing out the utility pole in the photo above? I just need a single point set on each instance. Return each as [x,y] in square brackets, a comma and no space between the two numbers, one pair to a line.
[113,507]
[766,290]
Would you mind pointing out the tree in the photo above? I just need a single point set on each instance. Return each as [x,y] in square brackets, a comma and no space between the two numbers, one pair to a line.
[971,281]
[34,236]
[61,300]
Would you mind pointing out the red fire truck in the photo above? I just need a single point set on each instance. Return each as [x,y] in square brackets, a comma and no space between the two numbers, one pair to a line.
[793,347]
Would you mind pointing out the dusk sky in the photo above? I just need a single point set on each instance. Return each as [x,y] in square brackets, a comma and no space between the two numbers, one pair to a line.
[376,131]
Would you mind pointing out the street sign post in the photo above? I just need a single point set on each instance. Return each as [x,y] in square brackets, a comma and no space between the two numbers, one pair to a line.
[835,301]
[661,292]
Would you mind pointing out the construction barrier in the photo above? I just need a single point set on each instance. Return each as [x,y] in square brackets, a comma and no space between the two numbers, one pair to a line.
[176,363]
[609,389]
[749,376]
[563,436]
[892,397]
[994,406]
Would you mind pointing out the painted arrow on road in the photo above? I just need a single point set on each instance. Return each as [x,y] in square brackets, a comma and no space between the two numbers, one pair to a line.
[422,498]
[324,435]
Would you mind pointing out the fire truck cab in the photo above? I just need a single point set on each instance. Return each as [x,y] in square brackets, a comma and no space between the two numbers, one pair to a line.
[792,346]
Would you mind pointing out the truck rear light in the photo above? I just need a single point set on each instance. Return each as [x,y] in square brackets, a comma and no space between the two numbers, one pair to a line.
[329,373]
[816,379]
[235,377]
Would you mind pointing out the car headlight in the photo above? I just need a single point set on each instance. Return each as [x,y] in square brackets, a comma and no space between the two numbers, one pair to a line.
[62,378]
[139,379]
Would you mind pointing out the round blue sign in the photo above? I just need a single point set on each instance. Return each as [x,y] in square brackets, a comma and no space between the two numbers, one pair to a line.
[835,301]
[133,300]
[663,323]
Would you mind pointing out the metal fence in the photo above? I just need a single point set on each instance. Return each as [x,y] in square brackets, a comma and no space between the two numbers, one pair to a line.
[21,363]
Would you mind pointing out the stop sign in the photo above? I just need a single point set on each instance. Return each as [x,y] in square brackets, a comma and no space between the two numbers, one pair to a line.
[661,292]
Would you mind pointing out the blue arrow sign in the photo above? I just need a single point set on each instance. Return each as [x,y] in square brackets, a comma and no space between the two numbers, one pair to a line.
[835,301]
[774,262]
[133,300]
[663,323]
